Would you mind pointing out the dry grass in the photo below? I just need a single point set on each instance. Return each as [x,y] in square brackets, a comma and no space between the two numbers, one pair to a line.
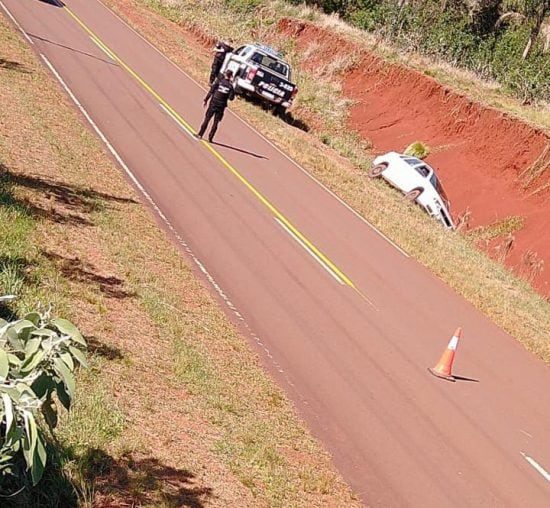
[489,286]
[536,171]
[176,410]
[505,226]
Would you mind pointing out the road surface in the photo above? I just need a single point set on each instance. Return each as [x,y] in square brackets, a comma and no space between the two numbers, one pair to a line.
[346,321]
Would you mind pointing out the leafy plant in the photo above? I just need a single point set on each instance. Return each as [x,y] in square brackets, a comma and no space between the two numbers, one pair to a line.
[38,357]
[417,149]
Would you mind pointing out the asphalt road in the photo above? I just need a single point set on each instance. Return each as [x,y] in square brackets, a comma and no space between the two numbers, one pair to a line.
[345,321]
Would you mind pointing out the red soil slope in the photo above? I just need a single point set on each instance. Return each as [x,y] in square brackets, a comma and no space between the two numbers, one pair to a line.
[480,153]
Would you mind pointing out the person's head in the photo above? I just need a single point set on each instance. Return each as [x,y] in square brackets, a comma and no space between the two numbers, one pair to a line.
[228,75]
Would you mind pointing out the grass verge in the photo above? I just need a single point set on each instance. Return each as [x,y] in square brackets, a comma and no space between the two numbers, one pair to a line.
[338,160]
[175,410]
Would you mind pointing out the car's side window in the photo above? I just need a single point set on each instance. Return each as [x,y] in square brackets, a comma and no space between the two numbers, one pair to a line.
[423,170]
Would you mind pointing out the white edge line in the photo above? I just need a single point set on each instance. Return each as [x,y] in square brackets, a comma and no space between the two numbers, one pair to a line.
[537,467]
[310,252]
[163,217]
[102,48]
[16,23]
[307,173]
[171,115]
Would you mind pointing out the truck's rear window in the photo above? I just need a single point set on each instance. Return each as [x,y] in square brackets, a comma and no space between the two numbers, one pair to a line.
[271,63]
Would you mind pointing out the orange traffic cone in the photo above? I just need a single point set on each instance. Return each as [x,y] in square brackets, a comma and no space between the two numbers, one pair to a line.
[444,366]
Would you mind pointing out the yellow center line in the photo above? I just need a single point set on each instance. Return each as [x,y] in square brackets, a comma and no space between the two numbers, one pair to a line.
[224,162]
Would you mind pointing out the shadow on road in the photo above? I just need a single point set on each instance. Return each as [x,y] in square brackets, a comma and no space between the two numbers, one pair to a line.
[462,378]
[48,41]
[239,150]
[55,3]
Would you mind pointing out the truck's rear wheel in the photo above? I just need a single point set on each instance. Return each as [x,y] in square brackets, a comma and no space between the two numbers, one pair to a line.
[279,111]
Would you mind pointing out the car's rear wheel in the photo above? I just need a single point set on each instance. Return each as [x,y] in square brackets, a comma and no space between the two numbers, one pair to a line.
[413,195]
[377,170]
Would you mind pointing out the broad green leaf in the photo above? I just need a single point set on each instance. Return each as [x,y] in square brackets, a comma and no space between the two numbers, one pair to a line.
[13,338]
[34,318]
[39,460]
[66,327]
[12,392]
[8,410]
[79,355]
[43,332]
[32,345]
[4,365]
[29,446]
[14,360]
[68,359]
[23,328]
[31,362]
[65,375]
[49,410]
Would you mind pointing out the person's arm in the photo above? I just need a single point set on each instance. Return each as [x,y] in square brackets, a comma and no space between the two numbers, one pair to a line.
[232,94]
[211,91]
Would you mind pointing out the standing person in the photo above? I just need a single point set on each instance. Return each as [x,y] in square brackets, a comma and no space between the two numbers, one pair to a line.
[220,50]
[219,94]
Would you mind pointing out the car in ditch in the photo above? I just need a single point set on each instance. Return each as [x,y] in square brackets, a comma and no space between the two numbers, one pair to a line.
[262,72]
[417,180]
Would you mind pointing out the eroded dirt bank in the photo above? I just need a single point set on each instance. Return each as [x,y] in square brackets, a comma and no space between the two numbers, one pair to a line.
[492,165]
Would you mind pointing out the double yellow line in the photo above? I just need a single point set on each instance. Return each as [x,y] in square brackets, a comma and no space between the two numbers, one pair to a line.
[324,260]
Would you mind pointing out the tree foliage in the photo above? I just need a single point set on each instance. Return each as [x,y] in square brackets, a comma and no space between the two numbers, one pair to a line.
[38,357]
[498,39]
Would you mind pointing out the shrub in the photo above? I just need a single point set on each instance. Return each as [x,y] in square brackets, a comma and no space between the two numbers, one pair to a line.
[38,356]
[417,149]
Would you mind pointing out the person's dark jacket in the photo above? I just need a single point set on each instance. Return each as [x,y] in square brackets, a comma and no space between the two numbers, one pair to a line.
[220,55]
[220,93]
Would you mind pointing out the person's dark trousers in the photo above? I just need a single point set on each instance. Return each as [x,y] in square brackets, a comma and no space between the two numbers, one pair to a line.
[214,72]
[211,112]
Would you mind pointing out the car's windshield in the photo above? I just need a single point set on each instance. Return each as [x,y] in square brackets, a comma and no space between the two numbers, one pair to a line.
[440,190]
[271,63]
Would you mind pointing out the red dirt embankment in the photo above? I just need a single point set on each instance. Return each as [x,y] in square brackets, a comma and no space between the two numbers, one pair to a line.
[480,153]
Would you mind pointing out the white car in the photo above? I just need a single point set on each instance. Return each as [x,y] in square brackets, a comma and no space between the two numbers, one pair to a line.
[417,180]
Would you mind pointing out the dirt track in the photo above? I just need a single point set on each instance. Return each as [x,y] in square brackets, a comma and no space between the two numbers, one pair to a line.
[480,153]
[356,370]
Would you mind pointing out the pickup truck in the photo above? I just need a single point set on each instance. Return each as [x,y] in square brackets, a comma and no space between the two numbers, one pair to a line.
[260,71]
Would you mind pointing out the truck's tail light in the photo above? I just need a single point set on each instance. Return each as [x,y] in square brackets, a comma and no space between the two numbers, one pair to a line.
[251,74]
[294,92]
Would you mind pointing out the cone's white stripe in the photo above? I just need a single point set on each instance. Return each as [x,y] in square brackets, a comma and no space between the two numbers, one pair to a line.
[453,343]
